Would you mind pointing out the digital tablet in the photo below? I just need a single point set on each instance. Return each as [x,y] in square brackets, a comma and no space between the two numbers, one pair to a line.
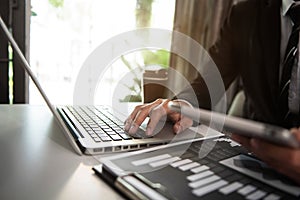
[244,127]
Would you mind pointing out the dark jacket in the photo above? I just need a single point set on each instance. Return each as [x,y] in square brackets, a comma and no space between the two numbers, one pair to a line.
[249,46]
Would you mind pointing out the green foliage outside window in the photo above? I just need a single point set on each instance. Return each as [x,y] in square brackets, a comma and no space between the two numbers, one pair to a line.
[56,3]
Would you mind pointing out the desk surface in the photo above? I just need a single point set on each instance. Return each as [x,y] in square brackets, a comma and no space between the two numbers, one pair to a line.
[38,163]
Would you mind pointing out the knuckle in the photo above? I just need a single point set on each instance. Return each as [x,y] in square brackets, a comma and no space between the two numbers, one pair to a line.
[138,107]
[158,111]
[159,99]
[144,111]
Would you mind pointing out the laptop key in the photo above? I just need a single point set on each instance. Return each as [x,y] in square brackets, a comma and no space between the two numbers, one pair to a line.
[209,188]
[100,132]
[93,135]
[97,139]
[231,188]
[105,127]
[125,136]
[115,127]
[120,131]
[181,162]
[272,197]
[122,126]
[246,190]
[111,132]
[97,129]
[201,175]
[115,137]
[258,194]
[189,166]
[204,181]
[199,169]
[102,135]
[105,138]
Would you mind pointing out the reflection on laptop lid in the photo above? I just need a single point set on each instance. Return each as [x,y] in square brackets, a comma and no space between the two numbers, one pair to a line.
[96,129]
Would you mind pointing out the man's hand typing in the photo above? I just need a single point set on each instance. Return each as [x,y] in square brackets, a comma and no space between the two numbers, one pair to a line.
[156,111]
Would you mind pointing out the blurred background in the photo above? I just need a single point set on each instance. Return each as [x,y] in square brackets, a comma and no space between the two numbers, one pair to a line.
[56,36]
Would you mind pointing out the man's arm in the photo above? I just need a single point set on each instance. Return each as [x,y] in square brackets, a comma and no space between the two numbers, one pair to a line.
[224,56]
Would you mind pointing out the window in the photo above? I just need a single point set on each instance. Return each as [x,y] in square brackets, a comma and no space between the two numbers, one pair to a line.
[65,32]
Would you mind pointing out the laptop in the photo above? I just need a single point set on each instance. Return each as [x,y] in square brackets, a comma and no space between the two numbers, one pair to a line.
[212,169]
[96,129]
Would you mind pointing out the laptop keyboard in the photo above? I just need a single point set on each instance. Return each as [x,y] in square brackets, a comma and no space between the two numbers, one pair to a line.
[100,124]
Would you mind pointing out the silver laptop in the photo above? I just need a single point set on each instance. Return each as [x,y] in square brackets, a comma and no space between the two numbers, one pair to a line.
[97,129]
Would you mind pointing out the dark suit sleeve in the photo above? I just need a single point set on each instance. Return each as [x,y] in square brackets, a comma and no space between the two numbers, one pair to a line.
[207,93]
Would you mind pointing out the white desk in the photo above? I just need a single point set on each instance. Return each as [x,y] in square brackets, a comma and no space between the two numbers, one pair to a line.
[38,163]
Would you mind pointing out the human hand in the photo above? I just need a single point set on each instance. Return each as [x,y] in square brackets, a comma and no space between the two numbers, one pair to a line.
[283,159]
[155,111]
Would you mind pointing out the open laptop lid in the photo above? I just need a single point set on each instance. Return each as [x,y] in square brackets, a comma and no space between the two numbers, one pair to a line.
[27,68]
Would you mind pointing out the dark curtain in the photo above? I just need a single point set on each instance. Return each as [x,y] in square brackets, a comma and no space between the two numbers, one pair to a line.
[201,20]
